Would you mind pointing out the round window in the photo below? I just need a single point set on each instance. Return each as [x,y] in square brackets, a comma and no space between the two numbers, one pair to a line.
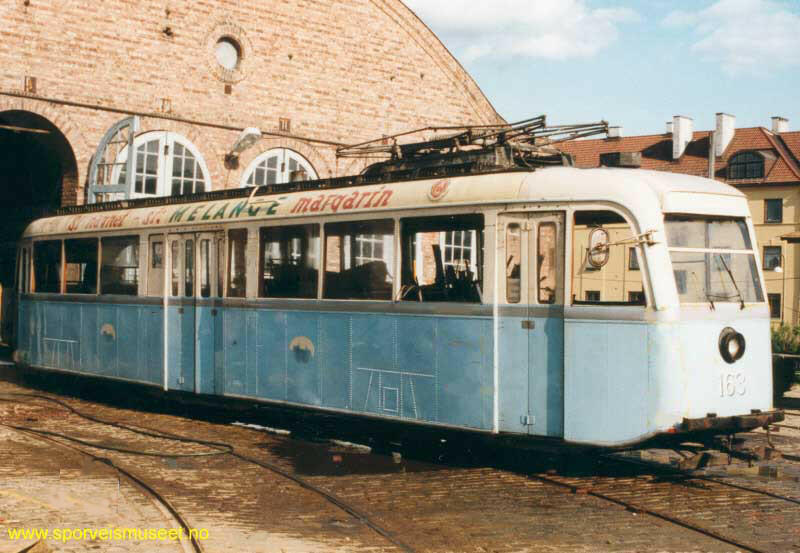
[228,53]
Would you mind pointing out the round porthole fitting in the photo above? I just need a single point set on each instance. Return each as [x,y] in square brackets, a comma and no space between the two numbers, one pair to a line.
[731,345]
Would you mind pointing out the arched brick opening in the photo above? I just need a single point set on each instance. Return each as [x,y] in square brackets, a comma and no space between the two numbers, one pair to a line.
[37,164]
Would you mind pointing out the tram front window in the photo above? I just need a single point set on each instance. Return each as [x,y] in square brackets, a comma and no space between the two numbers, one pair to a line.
[713,260]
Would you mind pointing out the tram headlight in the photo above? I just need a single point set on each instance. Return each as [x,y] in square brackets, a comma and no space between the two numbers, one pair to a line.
[731,345]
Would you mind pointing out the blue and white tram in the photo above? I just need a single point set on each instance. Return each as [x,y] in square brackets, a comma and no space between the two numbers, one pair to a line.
[600,306]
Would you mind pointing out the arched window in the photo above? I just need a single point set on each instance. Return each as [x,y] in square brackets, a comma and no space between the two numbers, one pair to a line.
[277,166]
[167,164]
[747,165]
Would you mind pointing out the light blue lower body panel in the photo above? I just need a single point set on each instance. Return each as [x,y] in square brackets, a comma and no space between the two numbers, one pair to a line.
[426,368]
[181,347]
[531,372]
[114,340]
[606,376]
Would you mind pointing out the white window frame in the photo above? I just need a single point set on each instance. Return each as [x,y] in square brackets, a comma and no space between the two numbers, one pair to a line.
[284,155]
[472,249]
[166,143]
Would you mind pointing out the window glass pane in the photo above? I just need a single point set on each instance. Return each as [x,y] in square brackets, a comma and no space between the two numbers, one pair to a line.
[47,266]
[772,257]
[696,232]
[81,266]
[176,267]
[357,266]
[177,167]
[237,277]
[119,272]
[188,269]
[220,267]
[774,211]
[188,167]
[24,276]
[717,277]
[289,262]
[614,281]
[155,277]
[637,297]
[592,296]
[442,258]
[546,263]
[205,268]
[633,259]
[513,263]
[151,165]
[150,185]
[774,305]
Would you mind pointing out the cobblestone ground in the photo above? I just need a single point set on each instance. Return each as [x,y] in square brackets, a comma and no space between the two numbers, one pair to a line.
[430,507]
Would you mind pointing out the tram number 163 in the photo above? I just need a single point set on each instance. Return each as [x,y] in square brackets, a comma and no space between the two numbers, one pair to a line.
[731,384]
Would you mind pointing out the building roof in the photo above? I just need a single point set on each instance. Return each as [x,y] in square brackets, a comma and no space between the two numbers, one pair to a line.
[781,153]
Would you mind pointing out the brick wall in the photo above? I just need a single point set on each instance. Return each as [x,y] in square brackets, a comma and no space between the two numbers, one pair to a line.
[342,72]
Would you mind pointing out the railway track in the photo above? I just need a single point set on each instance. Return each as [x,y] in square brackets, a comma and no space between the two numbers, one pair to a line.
[218,448]
[612,487]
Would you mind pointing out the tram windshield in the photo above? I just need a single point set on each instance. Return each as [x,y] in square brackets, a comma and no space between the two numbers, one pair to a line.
[713,260]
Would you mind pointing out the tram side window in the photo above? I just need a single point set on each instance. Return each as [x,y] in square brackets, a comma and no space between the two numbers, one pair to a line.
[80,257]
[155,276]
[442,259]
[47,266]
[237,275]
[615,283]
[359,260]
[119,270]
[289,262]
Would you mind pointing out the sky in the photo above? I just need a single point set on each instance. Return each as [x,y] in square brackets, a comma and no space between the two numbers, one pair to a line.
[632,63]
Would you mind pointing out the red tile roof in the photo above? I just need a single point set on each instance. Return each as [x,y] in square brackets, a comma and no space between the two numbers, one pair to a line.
[780,163]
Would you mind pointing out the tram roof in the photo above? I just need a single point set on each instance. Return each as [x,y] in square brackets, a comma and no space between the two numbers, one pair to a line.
[644,193]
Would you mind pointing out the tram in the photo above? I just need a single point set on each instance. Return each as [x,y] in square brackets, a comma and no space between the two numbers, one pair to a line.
[602,307]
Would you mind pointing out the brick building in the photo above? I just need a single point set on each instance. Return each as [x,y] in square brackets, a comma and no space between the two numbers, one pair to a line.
[309,75]
[762,163]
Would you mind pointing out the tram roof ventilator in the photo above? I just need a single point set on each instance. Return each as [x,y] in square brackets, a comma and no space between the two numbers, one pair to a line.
[463,150]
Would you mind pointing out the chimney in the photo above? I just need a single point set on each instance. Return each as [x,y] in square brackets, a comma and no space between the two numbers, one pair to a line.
[726,127]
[669,127]
[614,132]
[780,124]
[682,133]
[712,139]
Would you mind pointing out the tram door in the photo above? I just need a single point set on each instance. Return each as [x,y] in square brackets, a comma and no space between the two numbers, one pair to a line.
[192,311]
[531,325]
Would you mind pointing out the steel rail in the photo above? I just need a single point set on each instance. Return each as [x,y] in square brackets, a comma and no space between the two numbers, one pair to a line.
[228,450]
[650,512]
[137,481]
[679,472]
